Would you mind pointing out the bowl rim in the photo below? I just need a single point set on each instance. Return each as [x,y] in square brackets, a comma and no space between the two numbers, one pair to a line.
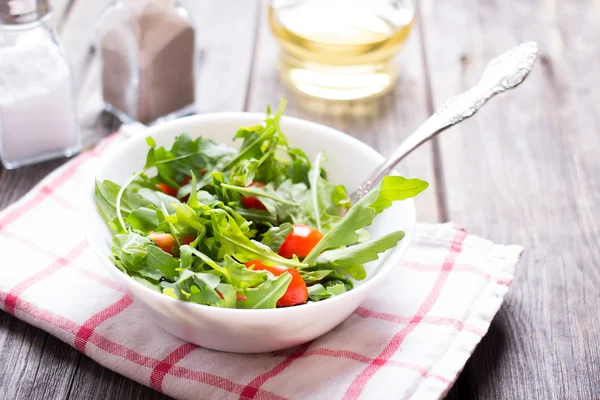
[167,125]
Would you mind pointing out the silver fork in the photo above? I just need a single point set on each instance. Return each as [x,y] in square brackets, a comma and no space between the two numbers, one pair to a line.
[505,72]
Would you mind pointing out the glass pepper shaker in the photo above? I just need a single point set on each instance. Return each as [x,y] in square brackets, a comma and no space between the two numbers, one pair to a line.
[147,51]
[38,117]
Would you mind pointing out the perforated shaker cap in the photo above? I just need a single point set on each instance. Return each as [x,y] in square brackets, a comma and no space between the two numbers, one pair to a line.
[15,12]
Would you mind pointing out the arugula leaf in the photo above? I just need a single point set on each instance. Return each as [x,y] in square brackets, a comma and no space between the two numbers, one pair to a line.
[149,284]
[264,193]
[106,198]
[356,272]
[143,219]
[313,177]
[137,254]
[187,217]
[235,243]
[314,276]
[198,287]
[276,235]
[257,215]
[267,293]
[299,166]
[327,290]
[252,147]
[234,273]
[187,155]
[229,295]
[159,260]
[362,214]
[359,253]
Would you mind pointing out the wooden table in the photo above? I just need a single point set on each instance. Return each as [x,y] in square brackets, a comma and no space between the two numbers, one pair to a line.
[525,170]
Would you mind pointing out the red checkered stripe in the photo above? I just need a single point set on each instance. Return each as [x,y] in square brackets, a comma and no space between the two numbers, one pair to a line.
[373,365]
[83,334]
[359,383]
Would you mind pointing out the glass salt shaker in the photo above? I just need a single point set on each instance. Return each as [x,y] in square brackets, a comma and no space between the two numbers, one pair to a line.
[148,58]
[38,116]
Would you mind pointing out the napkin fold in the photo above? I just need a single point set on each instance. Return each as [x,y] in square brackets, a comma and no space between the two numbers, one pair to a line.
[409,340]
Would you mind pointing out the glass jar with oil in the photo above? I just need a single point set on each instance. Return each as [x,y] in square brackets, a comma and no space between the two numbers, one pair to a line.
[340,49]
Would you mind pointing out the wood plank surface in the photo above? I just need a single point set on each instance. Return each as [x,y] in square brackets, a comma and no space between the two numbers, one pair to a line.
[525,171]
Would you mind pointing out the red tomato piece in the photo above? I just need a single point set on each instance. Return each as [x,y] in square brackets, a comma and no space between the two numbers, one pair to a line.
[296,293]
[164,241]
[186,180]
[166,189]
[187,239]
[240,296]
[252,201]
[300,242]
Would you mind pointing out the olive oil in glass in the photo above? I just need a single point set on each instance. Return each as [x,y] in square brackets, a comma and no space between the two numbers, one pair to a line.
[340,49]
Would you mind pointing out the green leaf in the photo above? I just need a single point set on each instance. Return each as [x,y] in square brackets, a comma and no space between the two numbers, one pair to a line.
[254,139]
[314,276]
[137,254]
[299,166]
[276,235]
[359,253]
[235,243]
[131,249]
[335,288]
[149,284]
[234,273]
[198,287]
[158,260]
[143,219]
[313,177]
[193,200]
[266,294]
[327,290]
[174,164]
[185,257]
[356,272]
[229,295]
[263,193]
[362,214]
[187,217]
[106,193]
[317,292]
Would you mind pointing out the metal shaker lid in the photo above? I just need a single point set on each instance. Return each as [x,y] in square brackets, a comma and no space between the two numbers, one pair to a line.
[15,12]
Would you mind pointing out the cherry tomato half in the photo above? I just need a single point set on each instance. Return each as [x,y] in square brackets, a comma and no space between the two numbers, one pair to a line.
[187,239]
[164,241]
[186,179]
[166,189]
[252,201]
[296,293]
[300,242]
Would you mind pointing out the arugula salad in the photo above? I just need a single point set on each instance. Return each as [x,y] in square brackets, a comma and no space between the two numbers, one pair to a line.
[254,227]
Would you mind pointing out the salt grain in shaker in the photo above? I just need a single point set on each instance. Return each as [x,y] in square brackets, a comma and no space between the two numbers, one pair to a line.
[38,118]
[147,52]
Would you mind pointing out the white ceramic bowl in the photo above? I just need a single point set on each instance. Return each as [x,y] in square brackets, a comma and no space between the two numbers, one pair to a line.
[252,331]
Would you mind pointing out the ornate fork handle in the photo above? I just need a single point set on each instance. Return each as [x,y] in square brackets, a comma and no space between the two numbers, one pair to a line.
[502,73]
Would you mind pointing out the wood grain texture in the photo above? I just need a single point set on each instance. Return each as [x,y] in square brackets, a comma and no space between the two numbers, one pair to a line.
[525,171]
